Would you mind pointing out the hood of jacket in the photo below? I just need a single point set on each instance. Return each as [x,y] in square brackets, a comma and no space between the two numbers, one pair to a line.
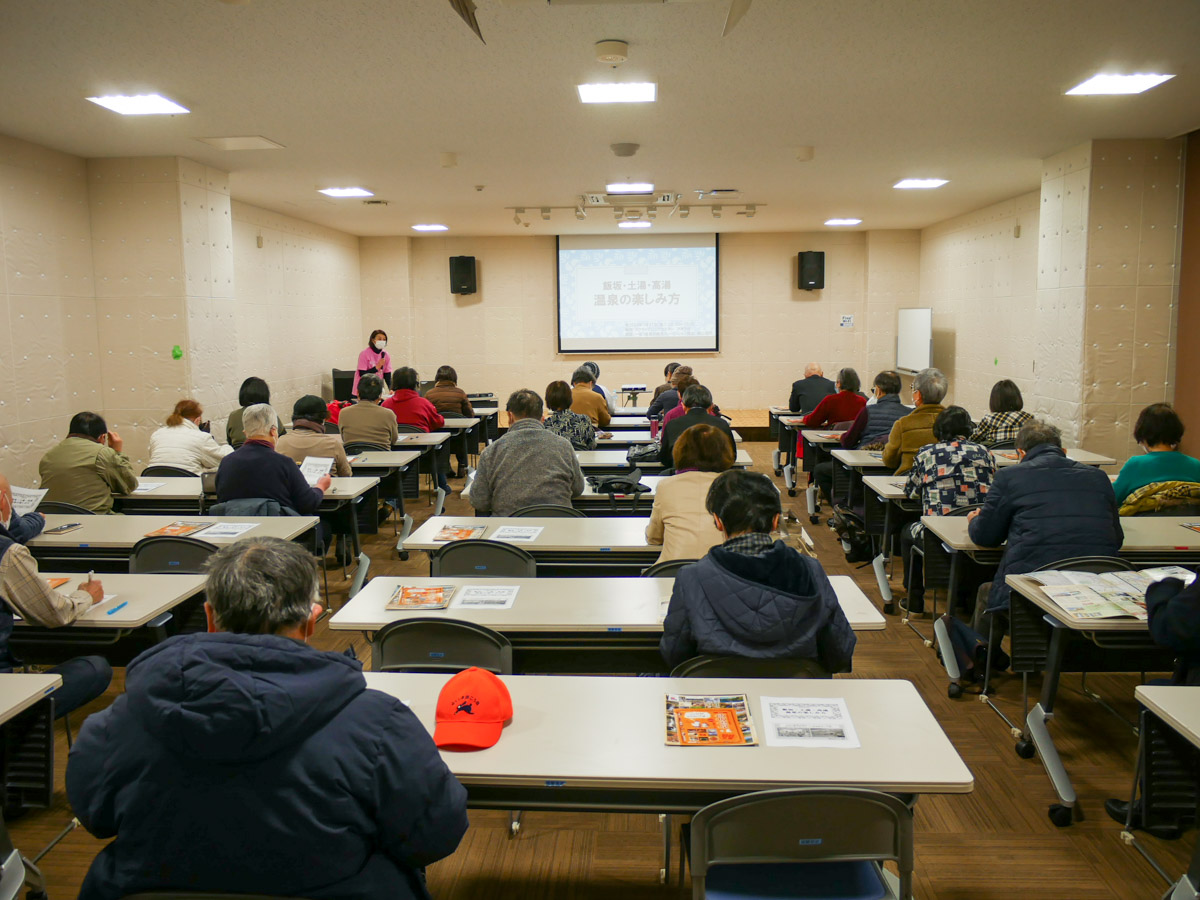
[229,697]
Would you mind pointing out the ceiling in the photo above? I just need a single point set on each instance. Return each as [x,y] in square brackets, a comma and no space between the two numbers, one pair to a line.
[372,92]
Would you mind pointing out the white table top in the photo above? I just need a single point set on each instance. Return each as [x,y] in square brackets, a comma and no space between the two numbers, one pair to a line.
[651,481]
[619,533]
[1142,533]
[556,734]
[624,423]
[1177,705]
[608,459]
[889,487]
[459,422]
[1009,457]
[107,532]
[1027,587]
[144,596]
[349,488]
[383,458]
[813,435]
[633,410]
[565,604]
[641,437]
[421,439]
[859,459]
[19,692]
[189,488]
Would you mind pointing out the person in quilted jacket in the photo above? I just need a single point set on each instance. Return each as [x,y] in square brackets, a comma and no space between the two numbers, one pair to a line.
[752,596]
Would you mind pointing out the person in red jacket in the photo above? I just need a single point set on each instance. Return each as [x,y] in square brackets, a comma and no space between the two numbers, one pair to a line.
[410,408]
[844,406]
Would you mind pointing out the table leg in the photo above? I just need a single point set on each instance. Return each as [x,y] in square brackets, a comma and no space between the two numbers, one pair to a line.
[879,564]
[1063,812]
[405,518]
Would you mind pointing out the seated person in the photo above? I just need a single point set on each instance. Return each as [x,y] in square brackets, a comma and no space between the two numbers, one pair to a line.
[945,475]
[254,471]
[871,426]
[410,408]
[527,465]
[87,467]
[1158,432]
[810,390]
[575,427]
[752,596]
[308,437]
[912,432]
[672,414]
[678,519]
[184,444]
[696,401]
[25,593]
[1047,508]
[669,399]
[234,755]
[843,406]
[610,400]
[1007,415]
[366,421]
[451,401]
[253,390]
[667,373]
[587,402]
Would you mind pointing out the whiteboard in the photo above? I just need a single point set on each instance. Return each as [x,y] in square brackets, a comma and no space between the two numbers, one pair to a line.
[914,340]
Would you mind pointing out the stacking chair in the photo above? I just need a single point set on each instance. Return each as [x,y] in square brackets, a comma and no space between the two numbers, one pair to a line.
[431,644]
[199,895]
[332,428]
[935,569]
[818,841]
[1003,445]
[479,558]
[163,555]
[667,568]
[548,511]
[748,667]
[167,472]
[428,465]
[58,507]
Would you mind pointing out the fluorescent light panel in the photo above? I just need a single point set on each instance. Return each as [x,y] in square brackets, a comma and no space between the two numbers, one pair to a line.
[919,184]
[1105,83]
[431,227]
[631,92]
[140,105]
[347,192]
[638,224]
[629,187]
[843,221]
[249,142]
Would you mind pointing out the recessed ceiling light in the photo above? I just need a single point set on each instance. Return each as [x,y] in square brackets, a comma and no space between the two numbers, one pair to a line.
[919,184]
[638,224]
[140,105]
[250,142]
[843,221]
[630,187]
[431,227]
[347,192]
[631,92]
[1119,84]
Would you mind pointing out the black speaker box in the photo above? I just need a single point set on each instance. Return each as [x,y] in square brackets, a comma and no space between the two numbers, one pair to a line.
[812,270]
[462,274]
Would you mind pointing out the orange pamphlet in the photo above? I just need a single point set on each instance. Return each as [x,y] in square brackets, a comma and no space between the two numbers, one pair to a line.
[462,533]
[57,582]
[708,726]
[1194,526]
[178,529]
[435,597]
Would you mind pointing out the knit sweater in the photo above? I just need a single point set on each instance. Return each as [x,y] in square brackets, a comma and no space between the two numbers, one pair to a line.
[527,465]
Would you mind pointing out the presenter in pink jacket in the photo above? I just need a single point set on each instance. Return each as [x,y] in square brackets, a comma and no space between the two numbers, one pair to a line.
[374,360]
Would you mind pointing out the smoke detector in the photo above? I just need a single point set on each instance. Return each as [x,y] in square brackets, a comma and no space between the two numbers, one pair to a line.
[624,149]
[612,53]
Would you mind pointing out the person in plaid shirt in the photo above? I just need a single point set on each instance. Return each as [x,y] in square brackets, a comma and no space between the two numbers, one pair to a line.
[1006,417]
[945,475]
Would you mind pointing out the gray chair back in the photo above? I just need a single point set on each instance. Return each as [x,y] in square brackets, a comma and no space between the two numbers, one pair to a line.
[548,511]
[804,825]
[163,555]
[1003,445]
[58,507]
[439,645]
[667,568]
[364,447]
[167,472]
[748,667]
[1097,565]
[199,895]
[482,559]
[409,429]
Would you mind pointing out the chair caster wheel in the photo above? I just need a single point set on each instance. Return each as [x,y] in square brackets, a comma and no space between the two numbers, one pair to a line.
[791,492]
[403,554]
[779,473]
[1060,815]
[954,691]
[814,520]
[513,828]
[889,609]
[927,642]
[1025,749]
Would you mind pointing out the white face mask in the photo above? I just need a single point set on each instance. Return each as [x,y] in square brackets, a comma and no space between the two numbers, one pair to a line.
[379,345]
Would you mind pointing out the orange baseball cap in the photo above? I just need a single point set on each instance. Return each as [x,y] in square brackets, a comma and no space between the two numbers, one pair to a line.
[472,709]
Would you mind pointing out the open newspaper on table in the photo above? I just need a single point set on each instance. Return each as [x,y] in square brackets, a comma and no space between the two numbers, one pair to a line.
[1105,595]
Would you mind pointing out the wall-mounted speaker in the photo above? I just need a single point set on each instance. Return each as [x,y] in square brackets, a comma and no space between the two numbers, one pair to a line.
[462,274]
[811,264]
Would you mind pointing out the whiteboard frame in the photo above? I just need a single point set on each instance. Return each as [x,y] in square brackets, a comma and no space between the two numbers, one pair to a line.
[928,309]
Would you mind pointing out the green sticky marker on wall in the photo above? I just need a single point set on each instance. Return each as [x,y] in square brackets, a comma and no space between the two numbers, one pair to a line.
[995,361]
[176,352]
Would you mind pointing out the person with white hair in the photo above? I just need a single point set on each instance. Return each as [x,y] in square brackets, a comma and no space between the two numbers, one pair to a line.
[256,472]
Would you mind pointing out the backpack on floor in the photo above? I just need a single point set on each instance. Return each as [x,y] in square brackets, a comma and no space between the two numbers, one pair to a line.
[852,532]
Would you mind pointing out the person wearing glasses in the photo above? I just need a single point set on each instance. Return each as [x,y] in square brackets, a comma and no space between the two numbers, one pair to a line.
[912,432]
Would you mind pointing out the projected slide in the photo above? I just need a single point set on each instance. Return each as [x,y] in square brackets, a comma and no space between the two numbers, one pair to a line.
[637,293]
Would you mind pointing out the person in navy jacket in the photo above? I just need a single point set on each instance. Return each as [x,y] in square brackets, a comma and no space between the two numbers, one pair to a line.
[752,596]
[245,761]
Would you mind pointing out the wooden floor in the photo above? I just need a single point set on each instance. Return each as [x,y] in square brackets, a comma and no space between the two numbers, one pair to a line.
[994,844]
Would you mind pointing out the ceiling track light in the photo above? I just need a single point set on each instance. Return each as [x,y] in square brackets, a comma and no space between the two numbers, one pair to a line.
[520,211]
[652,212]
[684,212]
[580,214]
[716,211]
[618,213]
[545,214]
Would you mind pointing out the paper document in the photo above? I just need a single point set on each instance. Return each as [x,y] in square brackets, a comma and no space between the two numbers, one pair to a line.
[180,528]
[25,500]
[459,533]
[709,720]
[314,467]
[228,529]
[523,533]
[146,487]
[410,597]
[1099,602]
[487,596]
[808,722]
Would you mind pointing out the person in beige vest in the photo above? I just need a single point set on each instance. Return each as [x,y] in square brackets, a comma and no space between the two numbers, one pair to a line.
[87,467]
[585,400]
[366,421]
[678,519]
[308,437]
